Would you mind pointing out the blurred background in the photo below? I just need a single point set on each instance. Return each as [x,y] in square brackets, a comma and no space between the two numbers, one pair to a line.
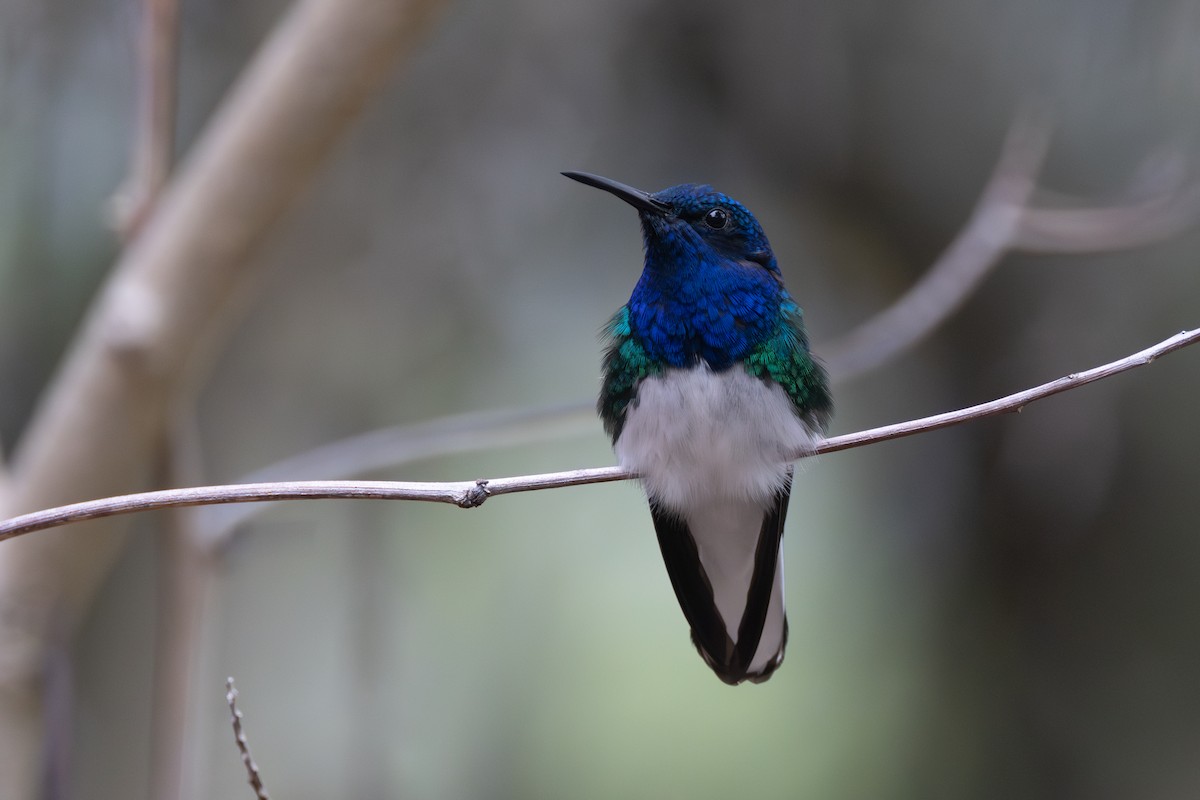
[1004,609]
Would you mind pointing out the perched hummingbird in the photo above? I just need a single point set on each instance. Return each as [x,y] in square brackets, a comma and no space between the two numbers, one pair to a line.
[709,392]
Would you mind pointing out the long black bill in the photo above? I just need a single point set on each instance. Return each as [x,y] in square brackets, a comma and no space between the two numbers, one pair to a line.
[643,201]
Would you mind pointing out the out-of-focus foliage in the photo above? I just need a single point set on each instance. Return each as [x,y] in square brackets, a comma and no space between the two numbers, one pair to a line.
[1003,610]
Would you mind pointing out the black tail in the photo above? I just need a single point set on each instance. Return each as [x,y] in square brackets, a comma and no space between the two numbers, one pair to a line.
[731,657]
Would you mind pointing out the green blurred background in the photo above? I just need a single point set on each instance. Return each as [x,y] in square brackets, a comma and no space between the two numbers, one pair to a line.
[1005,609]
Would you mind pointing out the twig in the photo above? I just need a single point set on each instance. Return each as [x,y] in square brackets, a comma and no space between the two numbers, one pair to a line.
[231,695]
[154,132]
[470,494]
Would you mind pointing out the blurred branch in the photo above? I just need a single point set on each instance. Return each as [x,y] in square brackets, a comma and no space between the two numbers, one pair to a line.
[395,446]
[471,494]
[185,576]
[1006,221]
[96,427]
[943,289]
[185,579]
[1088,230]
[4,477]
[154,132]
[58,697]
[231,696]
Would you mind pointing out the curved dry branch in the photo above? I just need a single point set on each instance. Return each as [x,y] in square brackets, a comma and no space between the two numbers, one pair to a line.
[471,494]
[1007,220]
[994,223]
[95,429]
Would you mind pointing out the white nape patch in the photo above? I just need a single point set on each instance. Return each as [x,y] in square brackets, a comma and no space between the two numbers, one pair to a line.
[695,435]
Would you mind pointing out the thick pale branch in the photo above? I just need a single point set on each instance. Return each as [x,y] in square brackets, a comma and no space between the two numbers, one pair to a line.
[94,431]
[470,494]
[103,413]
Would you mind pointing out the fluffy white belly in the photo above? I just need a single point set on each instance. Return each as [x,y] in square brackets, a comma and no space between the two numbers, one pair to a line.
[695,435]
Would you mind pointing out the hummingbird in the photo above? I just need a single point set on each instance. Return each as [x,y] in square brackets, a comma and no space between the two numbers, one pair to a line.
[709,393]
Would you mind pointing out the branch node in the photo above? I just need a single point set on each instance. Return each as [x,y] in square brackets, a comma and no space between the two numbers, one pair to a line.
[475,496]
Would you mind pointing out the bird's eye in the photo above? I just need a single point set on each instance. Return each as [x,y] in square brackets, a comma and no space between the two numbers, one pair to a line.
[716,218]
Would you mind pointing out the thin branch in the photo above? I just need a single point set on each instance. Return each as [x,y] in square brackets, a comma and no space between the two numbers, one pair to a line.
[231,696]
[471,494]
[154,131]
[1013,402]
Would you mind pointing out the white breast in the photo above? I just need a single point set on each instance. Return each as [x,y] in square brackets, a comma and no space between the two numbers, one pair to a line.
[695,435]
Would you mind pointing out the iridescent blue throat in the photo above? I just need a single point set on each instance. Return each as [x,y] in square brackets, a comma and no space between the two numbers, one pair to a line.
[694,303]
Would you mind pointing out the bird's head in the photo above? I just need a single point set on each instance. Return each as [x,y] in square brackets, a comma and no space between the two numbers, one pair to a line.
[710,289]
[692,223]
